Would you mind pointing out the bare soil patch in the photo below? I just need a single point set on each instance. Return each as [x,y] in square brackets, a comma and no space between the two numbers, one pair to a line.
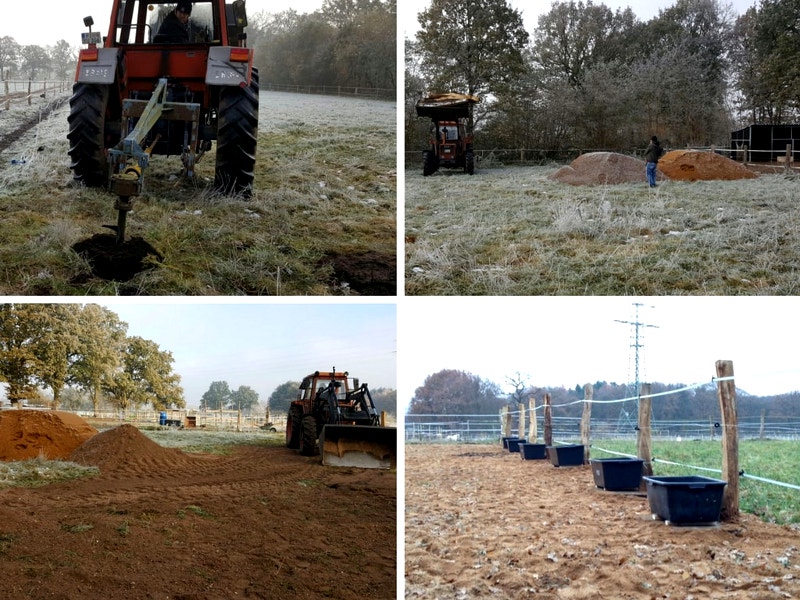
[481,522]
[262,522]
[694,165]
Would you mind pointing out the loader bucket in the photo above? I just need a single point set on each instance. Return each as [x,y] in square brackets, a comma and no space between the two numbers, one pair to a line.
[362,446]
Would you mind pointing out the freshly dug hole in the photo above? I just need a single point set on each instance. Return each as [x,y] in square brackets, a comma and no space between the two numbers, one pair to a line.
[117,262]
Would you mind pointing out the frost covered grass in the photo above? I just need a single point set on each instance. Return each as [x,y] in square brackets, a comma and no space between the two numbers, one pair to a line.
[37,472]
[325,185]
[212,442]
[512,231]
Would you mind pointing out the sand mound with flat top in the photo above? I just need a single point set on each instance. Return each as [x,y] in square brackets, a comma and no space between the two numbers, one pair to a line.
[696,165]
[26,434]
[602,168]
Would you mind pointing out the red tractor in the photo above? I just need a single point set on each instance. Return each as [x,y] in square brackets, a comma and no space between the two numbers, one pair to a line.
[450,145]
[139,92]
[339,412]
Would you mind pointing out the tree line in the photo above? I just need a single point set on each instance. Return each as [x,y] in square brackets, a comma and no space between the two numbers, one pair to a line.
[348,43]
[594,78]
[455,392]
[32,62]
[68,347]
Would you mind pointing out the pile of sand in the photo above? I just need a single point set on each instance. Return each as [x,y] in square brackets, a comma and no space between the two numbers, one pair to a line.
[125,447]
[26,434]
[598,168]
[694,165]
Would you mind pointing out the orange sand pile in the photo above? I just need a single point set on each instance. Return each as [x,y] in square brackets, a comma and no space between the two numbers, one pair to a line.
[26,434]
[599,168]
[694,165]
[125,447]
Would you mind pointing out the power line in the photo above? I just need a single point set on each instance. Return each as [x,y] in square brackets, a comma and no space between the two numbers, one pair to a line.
[638,347]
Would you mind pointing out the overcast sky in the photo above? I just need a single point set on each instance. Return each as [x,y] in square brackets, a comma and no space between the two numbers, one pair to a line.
[46,23]
[569,341]
[532,9]
[262,345]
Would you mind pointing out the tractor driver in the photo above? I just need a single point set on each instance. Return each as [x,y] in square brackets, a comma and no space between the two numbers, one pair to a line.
[175,28]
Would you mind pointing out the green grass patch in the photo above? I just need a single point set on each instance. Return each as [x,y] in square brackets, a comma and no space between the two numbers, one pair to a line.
[771,459]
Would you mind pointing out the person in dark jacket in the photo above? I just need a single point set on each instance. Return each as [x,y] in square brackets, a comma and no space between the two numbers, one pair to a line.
[175,28]
[651,156]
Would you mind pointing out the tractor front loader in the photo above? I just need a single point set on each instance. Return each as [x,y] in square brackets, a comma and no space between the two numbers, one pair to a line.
[336,417]
[450,145]
[137,94]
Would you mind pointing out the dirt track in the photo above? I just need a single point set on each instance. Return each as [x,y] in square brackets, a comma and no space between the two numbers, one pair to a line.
[481,523]
[263,522]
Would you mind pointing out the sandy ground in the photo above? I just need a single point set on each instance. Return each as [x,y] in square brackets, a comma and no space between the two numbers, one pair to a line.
[262,522]
[482,523]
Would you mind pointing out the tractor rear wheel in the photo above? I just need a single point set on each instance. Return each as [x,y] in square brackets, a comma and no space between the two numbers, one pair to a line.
[237,135]
[293,429]
[308,436]
[87,123]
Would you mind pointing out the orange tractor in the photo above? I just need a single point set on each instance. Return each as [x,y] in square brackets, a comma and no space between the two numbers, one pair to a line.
[450,145]
[339,413]
[140,91]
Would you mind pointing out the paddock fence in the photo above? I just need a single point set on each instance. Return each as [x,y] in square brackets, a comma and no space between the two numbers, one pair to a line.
[21,92]
[332,90]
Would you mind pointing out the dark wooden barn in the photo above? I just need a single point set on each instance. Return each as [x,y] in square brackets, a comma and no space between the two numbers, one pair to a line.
[766,143]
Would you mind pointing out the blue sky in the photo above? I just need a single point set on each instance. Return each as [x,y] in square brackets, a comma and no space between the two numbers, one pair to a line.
[262,345]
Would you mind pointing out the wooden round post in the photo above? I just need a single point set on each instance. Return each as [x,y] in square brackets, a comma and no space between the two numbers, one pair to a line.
[521,408]
[643,437]
[586,419]
[726,392]
[534,435]
[548,421]
[505,422]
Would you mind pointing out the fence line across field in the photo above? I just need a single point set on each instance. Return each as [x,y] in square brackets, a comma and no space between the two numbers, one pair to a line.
[23,92]
[333,90]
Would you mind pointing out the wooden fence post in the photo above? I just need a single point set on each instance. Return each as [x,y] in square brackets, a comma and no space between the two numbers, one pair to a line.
[763,419]
[726,392]
[29,92]
[586,418]
[548,421]
[788,164]
[505,422]
[643,433]
[532,412]
[521,408]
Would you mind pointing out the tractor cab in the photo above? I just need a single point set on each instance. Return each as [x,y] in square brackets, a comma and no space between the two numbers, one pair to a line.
[450,145]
